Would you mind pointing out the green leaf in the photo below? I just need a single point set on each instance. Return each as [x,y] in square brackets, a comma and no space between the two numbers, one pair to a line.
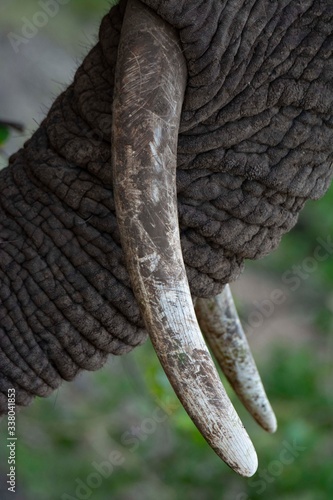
[4,134]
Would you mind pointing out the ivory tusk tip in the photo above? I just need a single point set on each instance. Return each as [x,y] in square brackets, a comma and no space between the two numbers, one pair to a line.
[248,463]
[221,326]
[270,423]
[238,452]
[264,415]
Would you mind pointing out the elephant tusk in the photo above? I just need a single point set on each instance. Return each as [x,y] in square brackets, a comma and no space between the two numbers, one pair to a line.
[149,90]
[223,331]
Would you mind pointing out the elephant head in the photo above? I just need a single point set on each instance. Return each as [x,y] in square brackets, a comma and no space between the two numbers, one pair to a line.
[189,140]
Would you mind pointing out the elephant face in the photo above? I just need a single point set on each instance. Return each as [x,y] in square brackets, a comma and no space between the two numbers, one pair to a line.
[189,140]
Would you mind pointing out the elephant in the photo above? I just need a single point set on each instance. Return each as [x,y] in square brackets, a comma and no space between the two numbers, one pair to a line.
[188,142]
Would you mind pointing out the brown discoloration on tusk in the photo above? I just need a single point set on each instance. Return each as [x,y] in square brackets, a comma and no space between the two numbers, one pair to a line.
[150,85]
[222,328]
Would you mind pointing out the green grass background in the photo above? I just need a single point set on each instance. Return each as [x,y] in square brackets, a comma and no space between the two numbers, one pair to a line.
[128,407]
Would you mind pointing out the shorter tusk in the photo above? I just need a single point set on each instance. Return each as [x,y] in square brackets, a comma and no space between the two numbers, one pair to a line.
[223,331]
[149,90]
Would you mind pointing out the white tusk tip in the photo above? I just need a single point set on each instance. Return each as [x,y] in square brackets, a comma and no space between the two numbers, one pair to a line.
[239,453]
[248,464]
[270,423]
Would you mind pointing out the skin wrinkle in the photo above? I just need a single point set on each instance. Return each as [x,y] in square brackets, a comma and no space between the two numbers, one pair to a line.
[225,70]
[278,49]
[255,142]
[95,256]
[92,118]
[28,373]
[28,236]
[222,199]
[266,72]
[47,301]
[27,349]
[22,380]
[65,345]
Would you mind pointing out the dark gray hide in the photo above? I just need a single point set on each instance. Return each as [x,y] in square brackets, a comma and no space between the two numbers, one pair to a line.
[255,143]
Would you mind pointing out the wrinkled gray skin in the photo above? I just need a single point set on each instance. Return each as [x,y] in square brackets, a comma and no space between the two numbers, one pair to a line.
[255,143]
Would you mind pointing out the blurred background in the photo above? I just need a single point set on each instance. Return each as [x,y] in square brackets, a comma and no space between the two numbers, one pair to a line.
[120,433]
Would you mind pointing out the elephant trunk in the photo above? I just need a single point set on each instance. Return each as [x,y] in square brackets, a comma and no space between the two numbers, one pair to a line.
[65,295]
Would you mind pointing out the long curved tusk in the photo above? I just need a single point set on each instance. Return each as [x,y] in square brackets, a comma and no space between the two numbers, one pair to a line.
[149,89]
[223,331]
